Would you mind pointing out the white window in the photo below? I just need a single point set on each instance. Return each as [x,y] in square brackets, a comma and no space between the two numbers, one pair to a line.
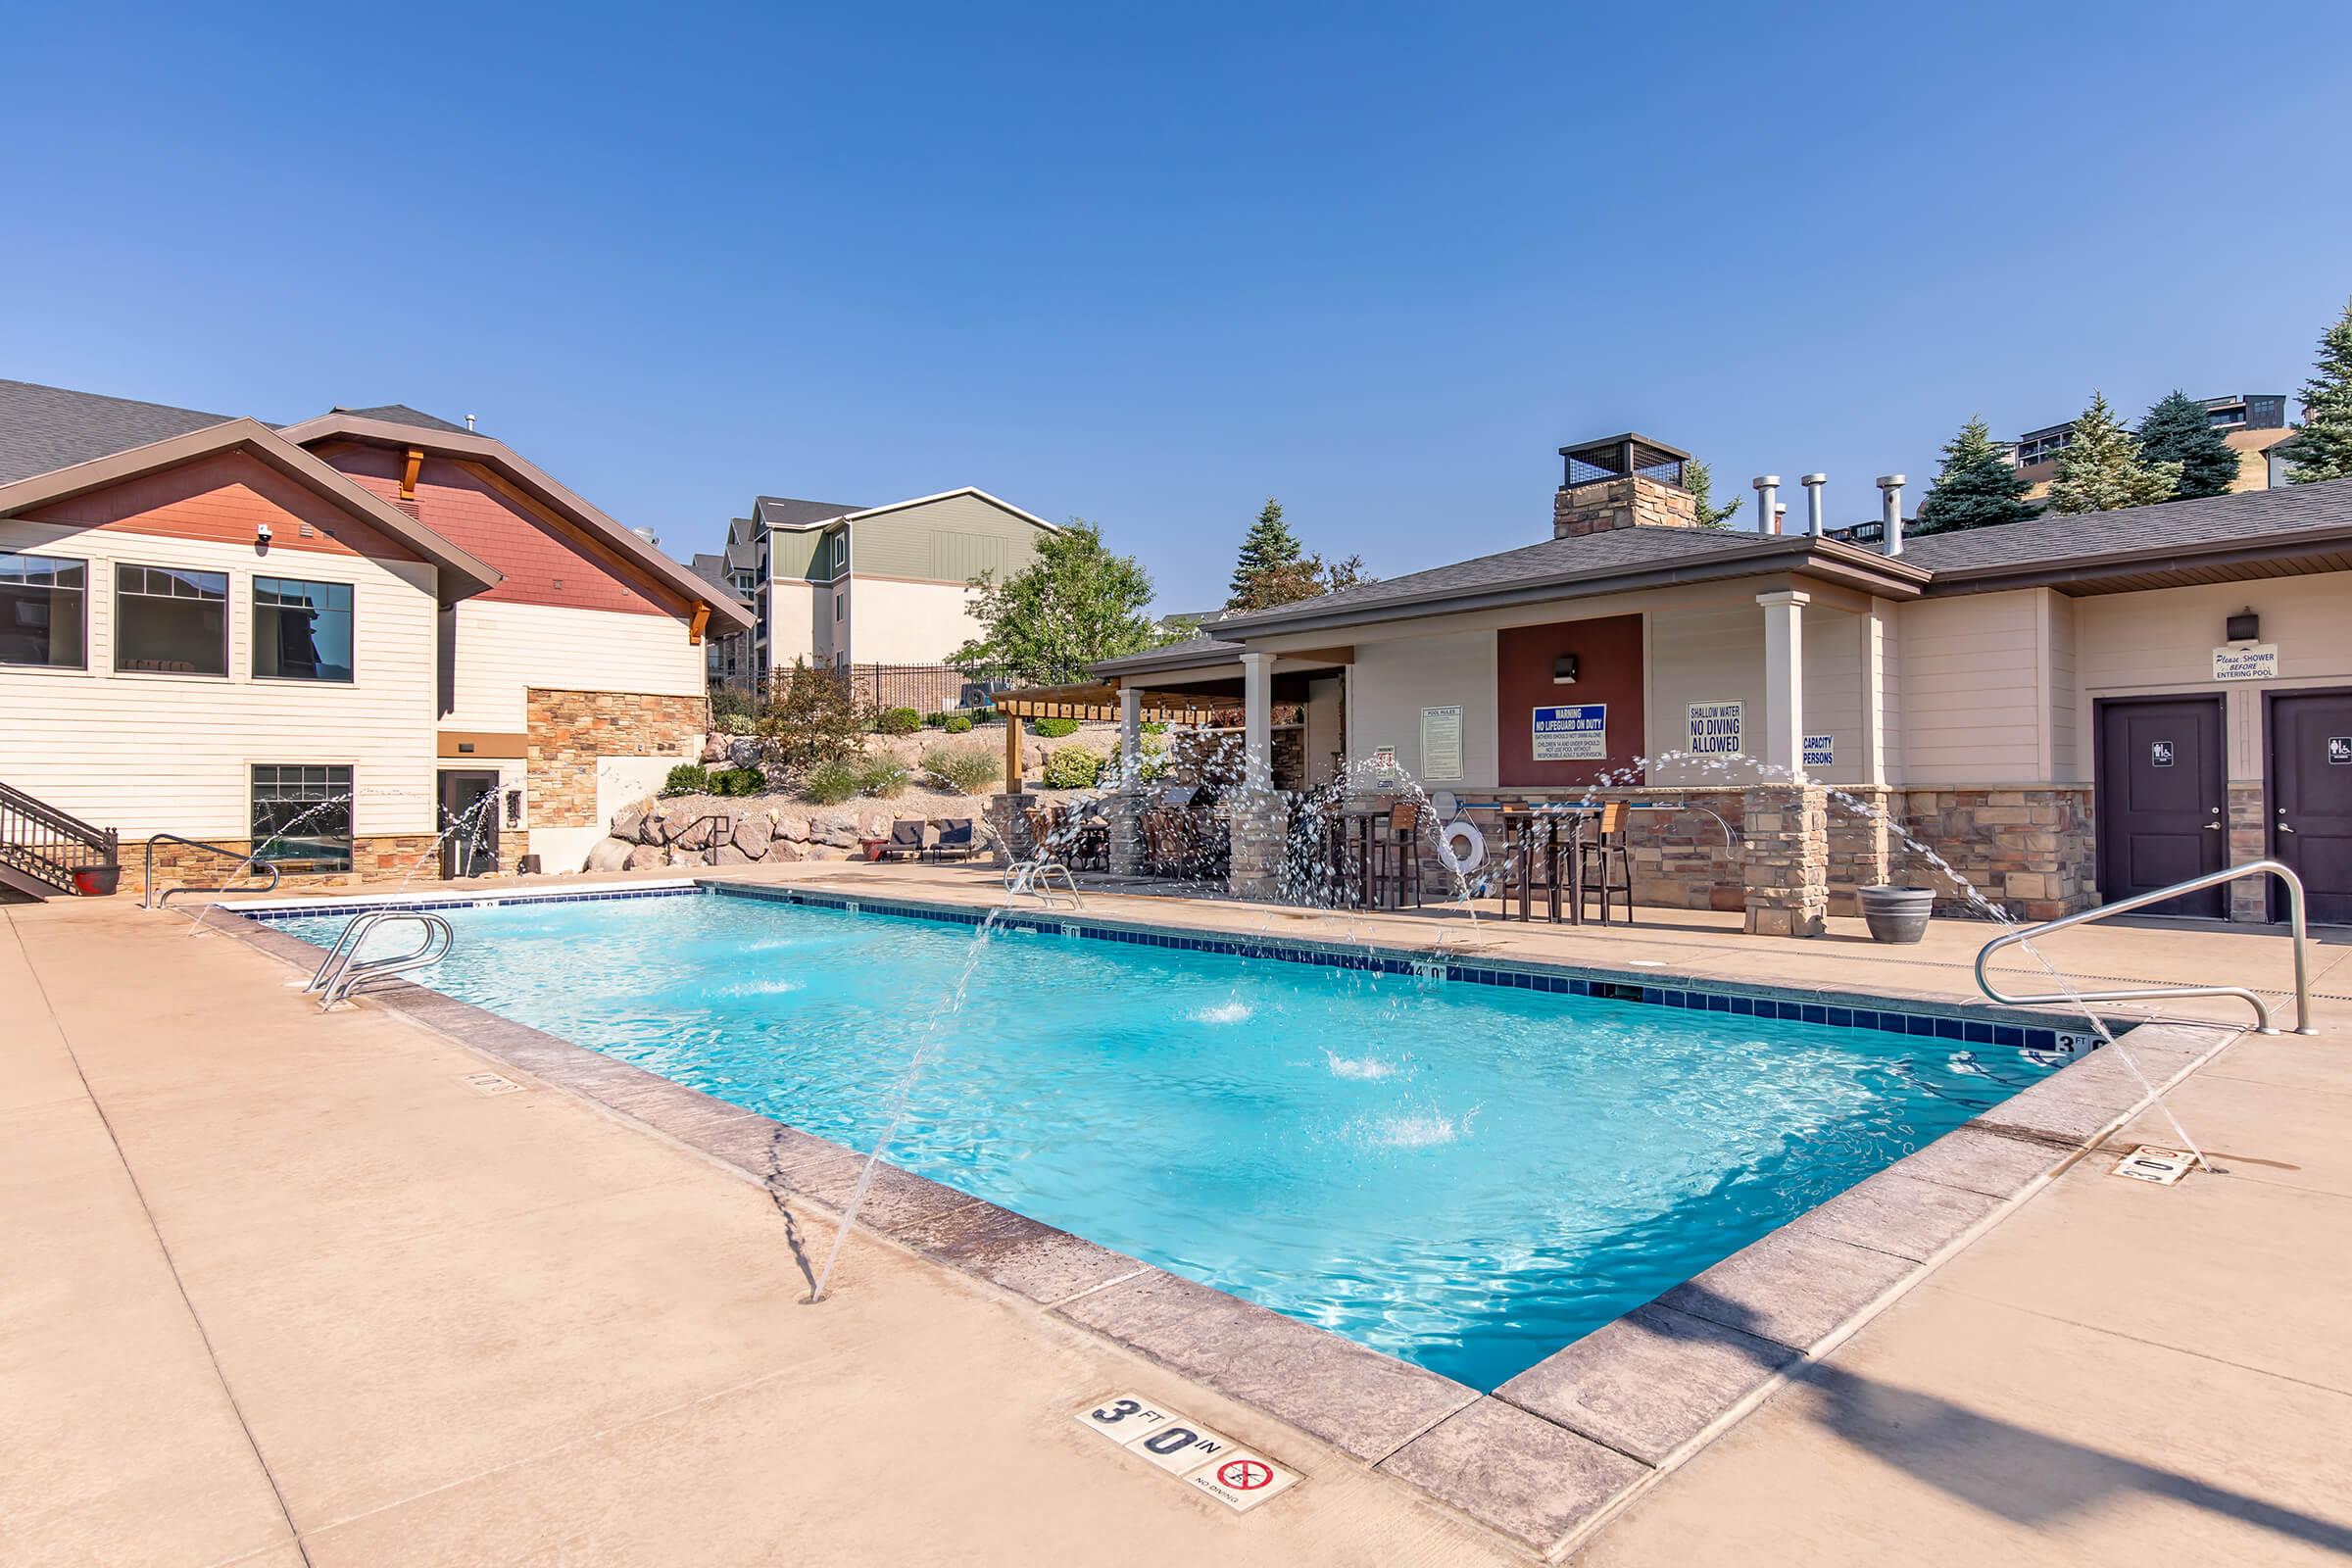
[841,549]
[840,602]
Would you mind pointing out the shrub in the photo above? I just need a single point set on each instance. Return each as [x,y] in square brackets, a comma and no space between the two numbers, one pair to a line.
[934,720]
[966,770]
[1073,768]
[1052,729]
[687,778]
[735,724]
[883,776]
[899,721]
[812,717]
[1155,727]
[831,783]
[737,781]
[957,724]
[730,702]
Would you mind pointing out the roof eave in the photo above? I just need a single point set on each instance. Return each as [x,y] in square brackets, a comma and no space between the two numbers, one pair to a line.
[1830,559]
[2117,564]
[542,486]
[461,574]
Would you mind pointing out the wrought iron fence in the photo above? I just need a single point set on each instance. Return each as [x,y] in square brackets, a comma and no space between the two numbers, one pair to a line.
[925,688]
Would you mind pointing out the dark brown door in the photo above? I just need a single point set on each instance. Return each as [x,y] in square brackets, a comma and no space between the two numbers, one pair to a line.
[2309,763]
[469,823]
[2162,786]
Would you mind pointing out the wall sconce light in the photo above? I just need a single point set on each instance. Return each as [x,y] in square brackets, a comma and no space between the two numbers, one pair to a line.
[514,808]
[1563,670]
[2243,628]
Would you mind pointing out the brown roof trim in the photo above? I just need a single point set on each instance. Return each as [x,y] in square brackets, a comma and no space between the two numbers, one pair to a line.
[461,576]
[2088,570]
[1828,559]
[542,487]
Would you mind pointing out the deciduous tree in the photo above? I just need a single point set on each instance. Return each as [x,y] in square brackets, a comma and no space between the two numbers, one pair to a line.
[1074,604]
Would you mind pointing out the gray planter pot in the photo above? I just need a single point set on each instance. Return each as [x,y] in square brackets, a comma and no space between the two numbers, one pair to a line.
[1897,914]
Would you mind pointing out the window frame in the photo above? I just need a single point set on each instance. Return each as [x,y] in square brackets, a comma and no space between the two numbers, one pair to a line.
[83,663]
[841,551]
[351,815]
[227,618]
[254,609]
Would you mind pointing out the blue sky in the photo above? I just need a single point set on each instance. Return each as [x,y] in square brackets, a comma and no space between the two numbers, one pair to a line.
[1150,265]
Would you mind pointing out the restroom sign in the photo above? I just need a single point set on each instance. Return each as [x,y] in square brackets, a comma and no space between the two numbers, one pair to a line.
[1576,733]
[2160,754]
[2339,750]
[1715,728]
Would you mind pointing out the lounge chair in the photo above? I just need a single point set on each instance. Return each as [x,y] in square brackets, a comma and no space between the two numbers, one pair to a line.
[906,838]
[956,839]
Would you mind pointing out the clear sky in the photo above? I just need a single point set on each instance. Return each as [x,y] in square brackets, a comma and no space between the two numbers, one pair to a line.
[1151,265]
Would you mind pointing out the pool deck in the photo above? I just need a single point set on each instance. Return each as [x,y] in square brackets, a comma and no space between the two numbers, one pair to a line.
[285,1288]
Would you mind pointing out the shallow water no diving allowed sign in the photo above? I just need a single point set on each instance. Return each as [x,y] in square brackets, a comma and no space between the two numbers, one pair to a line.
[1204,1460]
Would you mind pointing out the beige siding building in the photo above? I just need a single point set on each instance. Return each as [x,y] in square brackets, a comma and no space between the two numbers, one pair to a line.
[323,645]
[2052,712]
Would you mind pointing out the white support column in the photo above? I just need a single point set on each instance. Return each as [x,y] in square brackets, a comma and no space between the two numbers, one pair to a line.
[1131,738]
[1875,624]
[1257,729]
[1785,683]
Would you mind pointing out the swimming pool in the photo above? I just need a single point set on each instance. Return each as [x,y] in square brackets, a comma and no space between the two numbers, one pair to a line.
[1463,1175]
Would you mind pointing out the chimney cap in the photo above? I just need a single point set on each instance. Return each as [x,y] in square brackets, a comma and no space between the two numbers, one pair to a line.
[1890,481]
[1766,481]
[1627,455]
[1814,478]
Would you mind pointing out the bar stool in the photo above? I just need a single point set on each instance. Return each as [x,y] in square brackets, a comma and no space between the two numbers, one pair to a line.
[1397,857]
[1597,856]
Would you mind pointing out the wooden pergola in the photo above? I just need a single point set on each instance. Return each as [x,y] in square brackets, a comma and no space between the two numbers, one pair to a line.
[1100,702]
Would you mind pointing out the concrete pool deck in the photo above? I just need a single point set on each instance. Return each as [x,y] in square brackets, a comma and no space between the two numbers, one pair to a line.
[291,1288]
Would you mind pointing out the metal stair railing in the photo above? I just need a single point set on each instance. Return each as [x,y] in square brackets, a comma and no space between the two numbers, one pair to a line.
[343,972]
[156,900]
[2195,884]
[1036,883]
[55,846]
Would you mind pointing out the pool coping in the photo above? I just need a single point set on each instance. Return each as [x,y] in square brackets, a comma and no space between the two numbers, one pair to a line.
[1552,1454]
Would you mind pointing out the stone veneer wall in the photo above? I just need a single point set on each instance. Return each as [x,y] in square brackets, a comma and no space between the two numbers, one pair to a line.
[569,730]
[373,859]
[2250,841]
[2029,850]
[1786,861]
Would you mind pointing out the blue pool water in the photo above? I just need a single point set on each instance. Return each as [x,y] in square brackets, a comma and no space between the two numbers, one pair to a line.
[1463,1175]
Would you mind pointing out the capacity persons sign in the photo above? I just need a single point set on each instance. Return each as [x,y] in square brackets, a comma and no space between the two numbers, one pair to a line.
[1578,733]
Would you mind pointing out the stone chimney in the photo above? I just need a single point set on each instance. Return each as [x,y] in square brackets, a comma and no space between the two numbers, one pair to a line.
[1625,481]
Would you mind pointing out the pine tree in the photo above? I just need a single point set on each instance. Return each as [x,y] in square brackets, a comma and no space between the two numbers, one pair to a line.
[2176,430]
[1270,549]
[2101,468]
[2322,448]
[1977,487]
[1700,480]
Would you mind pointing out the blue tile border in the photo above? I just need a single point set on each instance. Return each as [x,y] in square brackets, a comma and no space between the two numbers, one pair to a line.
[1881,1016]
[321,906]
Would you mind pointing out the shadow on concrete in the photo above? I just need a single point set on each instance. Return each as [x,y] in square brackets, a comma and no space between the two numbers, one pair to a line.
[773,1183]
[2027,1477]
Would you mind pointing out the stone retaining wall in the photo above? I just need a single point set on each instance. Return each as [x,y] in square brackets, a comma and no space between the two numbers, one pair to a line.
[388,858]
[701,832]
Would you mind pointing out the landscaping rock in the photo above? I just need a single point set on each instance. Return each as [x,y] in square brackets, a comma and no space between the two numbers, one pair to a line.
[714,749]
[649,826]
[794,828]
[630,820]
[838,831]
[744,753]
[612,854]
[645,856]
[694,835]
[786,850]
[729,855]
[754,833]
[679,856]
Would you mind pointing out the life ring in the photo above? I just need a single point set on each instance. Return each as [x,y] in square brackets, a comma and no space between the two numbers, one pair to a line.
[1464,861]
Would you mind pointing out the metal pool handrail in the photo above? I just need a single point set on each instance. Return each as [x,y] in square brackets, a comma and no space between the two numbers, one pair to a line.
[351,973]
[244,861]
[2195,884]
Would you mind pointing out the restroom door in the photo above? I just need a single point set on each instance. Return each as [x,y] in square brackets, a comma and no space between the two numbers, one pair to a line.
[2161,780]
[470,805]
[2307,757]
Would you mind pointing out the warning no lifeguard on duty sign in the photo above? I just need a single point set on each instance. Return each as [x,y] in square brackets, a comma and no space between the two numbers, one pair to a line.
[1203,1458]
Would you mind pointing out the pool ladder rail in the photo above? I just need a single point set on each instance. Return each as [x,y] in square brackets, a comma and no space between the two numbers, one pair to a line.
[1036,883]
[2195,884]
[156,900]
[342,973]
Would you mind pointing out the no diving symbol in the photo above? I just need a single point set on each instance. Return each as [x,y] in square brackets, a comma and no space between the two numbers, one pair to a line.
[1246,1475]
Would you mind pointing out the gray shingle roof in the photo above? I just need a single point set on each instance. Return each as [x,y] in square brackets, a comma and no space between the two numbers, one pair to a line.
[45,427]
[2052,540]
[401,414]
[783,512]
[713,569]
[1199,648]
[1622,549]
